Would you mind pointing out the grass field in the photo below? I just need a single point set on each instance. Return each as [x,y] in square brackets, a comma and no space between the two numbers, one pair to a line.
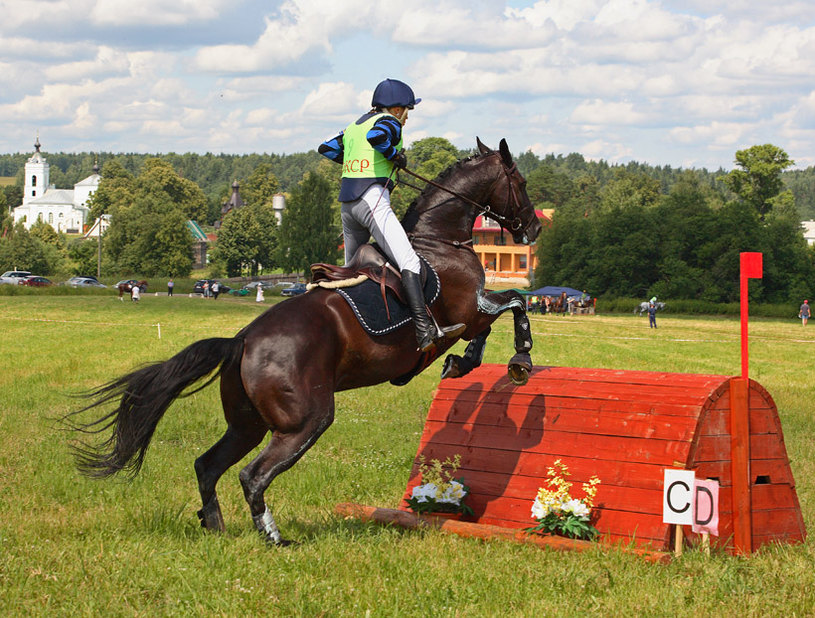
[71,546]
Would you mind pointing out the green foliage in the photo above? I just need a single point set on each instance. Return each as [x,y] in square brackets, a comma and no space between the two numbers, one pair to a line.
[148,232]
[260,187]
[758,181]
[428,157]
[247,240]
[21,250]
[680,245]
[308,234]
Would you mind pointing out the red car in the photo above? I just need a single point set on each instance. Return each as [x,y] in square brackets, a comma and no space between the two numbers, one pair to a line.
[35,281]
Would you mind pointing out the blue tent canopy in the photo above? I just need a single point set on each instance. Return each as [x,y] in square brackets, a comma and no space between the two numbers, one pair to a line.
[554,290]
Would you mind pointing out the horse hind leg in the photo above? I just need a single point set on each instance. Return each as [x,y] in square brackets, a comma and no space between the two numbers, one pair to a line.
[210,467]
[280,454]
[245,430]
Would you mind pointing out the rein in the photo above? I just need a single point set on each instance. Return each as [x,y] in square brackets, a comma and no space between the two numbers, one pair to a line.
[513,223]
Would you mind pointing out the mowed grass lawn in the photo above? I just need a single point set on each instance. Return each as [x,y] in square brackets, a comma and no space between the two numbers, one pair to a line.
[71,546]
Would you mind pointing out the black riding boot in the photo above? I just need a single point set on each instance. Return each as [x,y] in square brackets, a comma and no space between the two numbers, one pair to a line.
[427,331]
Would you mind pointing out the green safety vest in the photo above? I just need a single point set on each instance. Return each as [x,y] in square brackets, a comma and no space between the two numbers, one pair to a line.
[360,160]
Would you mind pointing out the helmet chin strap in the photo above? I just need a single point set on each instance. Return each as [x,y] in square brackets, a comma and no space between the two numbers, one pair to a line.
[401,117]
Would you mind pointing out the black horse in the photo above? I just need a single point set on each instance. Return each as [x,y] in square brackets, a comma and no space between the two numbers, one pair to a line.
[279,374]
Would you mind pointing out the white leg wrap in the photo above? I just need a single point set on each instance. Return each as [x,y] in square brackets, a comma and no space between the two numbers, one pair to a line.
[265,524]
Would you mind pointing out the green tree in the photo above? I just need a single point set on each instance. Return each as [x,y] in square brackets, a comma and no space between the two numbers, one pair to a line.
[428,157]
[261,186]
[19,250]
[758,181]
[148,232]
[247,240]
[307,233]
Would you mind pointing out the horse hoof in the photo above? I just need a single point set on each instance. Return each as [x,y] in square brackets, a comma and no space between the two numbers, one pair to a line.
[451,367]
[519,367]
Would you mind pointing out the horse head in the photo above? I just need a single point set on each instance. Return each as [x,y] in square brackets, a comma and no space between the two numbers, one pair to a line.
[507,201]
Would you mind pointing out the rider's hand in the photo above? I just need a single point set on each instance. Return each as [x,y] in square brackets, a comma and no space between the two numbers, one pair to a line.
[400,160]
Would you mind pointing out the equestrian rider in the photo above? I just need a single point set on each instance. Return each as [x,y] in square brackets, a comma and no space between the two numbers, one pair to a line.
[369,150]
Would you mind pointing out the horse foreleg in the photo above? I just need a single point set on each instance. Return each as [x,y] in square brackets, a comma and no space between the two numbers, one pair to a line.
[456,366]
[520,365]
[496,303]
[210,467]
[282,452]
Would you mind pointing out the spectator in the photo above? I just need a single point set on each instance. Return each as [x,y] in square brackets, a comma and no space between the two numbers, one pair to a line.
[216,289]
[135,293]
[170,286]
[803,313]
[652,315]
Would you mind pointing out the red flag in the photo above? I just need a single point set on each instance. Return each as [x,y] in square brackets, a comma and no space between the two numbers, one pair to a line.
[752,265]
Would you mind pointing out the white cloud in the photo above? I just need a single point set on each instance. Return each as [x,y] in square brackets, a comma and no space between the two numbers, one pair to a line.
[155,12]
[599,112]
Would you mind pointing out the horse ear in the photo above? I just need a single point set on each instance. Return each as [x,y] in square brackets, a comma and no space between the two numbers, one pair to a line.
[481,147]
[506,155]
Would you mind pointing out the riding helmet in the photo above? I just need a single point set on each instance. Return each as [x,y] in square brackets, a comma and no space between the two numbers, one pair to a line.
[392,92]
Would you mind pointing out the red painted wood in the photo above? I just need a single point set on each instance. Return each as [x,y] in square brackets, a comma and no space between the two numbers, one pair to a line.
[626,427]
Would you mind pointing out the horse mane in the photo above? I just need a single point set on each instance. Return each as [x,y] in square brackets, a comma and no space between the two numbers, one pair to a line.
[411,216]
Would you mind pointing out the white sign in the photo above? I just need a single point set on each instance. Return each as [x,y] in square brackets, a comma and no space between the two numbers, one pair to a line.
[677,497]
[689,502]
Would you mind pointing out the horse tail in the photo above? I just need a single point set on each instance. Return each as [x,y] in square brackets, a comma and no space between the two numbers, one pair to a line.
[144,396]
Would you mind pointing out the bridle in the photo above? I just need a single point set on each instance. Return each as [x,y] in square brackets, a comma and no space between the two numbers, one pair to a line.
[512,222]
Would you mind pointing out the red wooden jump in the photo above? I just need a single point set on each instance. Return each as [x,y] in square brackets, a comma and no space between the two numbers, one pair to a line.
[626,427]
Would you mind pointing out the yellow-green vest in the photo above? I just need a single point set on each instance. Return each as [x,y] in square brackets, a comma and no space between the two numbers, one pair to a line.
[360,159]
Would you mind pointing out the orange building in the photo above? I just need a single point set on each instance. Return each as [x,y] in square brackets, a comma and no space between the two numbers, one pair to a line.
[505,261]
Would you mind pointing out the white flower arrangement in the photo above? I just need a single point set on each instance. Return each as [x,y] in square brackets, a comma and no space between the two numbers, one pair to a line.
[558,513]
[440,492]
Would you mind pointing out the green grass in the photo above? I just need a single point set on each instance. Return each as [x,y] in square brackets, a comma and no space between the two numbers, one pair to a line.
[71,546]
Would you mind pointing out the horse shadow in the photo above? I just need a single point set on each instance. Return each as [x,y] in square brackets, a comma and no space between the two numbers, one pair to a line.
[489,438]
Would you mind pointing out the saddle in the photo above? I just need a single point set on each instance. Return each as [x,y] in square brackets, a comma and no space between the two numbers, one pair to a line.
[367,263]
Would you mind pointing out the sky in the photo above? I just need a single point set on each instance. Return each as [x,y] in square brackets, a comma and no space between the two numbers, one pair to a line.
[665,82]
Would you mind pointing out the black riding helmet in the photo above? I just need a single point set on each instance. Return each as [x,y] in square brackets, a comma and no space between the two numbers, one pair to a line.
[392,93]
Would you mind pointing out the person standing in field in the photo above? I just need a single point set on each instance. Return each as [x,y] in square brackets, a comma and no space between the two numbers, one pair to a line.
[259,295]
[803,313]
[216,289]
[369,150]
[135,293]
[170,286]
[652,315]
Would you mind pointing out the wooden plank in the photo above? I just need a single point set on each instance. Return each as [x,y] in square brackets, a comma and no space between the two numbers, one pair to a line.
[583,420]
[560,443]
[481,531]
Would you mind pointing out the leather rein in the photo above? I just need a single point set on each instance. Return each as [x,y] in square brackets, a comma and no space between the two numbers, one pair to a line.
[513,224]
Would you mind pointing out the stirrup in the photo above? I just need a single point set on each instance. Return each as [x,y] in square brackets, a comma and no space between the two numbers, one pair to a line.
[451,332]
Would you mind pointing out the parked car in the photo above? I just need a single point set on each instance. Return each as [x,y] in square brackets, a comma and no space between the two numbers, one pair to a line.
[198,288]
[84,282]
[35,281]
[294,290]
[130,282]
[14,276]
[252,286]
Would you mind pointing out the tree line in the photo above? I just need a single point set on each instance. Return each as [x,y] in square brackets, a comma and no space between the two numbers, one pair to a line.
[632,238]
[618,230]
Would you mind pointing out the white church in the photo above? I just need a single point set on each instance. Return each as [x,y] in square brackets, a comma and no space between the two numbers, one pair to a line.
[62,209]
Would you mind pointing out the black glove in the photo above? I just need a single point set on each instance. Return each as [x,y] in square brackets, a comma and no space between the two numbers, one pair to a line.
[400,160]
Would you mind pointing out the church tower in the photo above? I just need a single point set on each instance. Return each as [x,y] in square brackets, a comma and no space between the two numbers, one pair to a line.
[36,175]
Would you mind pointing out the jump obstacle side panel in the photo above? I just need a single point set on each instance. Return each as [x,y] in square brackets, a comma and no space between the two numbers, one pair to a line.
[626,427]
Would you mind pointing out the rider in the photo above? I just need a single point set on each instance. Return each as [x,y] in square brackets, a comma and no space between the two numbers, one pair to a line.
[369,150]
